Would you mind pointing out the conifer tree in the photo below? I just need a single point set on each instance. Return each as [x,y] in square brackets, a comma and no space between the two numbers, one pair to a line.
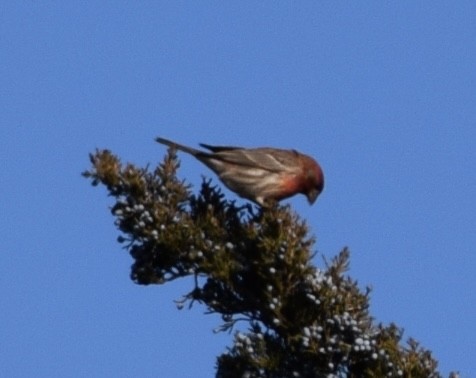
[253,266]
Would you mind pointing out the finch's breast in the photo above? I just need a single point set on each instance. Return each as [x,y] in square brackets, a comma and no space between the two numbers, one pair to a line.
[289,186]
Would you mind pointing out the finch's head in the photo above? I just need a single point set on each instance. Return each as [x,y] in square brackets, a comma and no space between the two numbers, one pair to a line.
[314,179]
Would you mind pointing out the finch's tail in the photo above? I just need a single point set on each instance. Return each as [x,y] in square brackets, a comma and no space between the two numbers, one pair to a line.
[181,147]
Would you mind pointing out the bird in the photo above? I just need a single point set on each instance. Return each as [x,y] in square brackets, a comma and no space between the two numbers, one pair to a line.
[263,175]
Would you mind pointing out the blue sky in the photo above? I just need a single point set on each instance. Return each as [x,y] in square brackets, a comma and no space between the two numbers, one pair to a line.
[383,94]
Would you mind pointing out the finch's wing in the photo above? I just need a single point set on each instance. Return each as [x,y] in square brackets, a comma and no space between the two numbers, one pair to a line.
[219,148]
[268,159]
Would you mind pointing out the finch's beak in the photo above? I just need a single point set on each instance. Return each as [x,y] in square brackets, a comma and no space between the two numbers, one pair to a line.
[312,196]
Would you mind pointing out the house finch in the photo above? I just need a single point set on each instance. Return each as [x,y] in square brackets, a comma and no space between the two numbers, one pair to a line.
[262,175]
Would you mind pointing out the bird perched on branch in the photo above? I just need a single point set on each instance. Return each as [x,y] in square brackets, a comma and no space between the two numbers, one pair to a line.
[262,175]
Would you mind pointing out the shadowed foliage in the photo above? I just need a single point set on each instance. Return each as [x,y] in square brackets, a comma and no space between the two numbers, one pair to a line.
[256,267]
